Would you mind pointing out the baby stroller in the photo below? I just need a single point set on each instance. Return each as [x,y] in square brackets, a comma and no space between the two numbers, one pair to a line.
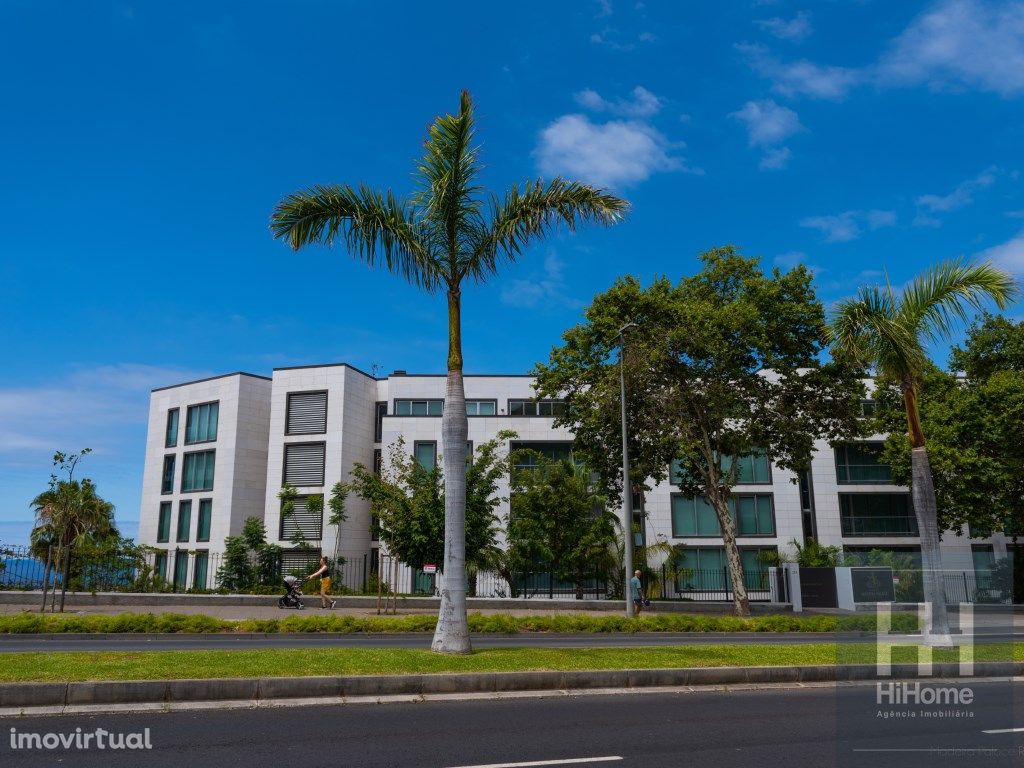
[293,597]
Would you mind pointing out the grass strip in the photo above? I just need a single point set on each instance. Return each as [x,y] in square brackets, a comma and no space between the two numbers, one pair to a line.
[34,623]
[281,662]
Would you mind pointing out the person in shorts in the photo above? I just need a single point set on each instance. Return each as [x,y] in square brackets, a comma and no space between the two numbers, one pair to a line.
[637,589]
[324,572]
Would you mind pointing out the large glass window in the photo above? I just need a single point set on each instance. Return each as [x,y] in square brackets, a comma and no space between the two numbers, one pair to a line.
[528,455]
[163,526]
[861,463]
[197,471]
[481,407]
[201,423]
[180,569]
[160,563]
[172,428]
[876,514]
[306,413]
[167,483]
[751,469]
[205,517]
[536,408]
[706,569]
[304,464]
[184,520]
[752,513]
[200,569]
[419,407]
[426,454]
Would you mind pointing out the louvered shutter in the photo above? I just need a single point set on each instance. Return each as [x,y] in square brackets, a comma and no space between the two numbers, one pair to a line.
[310,524]
[307,413]
[299,562]
[304,464]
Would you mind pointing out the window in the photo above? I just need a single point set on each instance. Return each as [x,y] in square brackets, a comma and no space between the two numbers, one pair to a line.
[301,522]
[876,514]
[536,408]
[380,412]
[527,455]
[868,408]
[426,454]
[167,485]
[172,428]
[197,471]
[205,517]
[984,558]
[200,569]
[306,413]
[481,407]
[160,564]
[201,423]
[419,407]
[184,520]
[180,569]
[304,464]
[707,569]
[752,469]
[860,463]
[752,513]
[378,461]
[163,526]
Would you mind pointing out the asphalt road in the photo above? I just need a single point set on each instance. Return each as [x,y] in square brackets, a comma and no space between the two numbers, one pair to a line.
[228,641]
[812,727]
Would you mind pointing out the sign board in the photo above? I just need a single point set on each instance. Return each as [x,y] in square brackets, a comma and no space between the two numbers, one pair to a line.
[873,585]
[429,568]
[818,588]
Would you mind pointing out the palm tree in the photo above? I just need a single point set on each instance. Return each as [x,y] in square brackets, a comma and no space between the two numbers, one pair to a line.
[447,232]
[880,330]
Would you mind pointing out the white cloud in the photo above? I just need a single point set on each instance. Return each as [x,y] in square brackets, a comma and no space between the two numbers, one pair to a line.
[849,225]
[769,124]
[642,103]
[801,78]
[548,289]
[790,259]
[960,43]
[1008,255]
[961,196]
[795,29]
[612,154]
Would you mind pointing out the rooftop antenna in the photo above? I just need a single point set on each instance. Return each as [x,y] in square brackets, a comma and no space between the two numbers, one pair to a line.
[374,367]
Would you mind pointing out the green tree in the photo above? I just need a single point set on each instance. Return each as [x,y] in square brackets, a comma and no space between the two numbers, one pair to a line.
[339,495]
[886,331]
[408,500]
[558,521]
[445,234]
[249,560]
[723,365]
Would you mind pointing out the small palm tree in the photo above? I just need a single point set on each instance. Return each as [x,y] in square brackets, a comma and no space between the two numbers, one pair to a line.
[447,232]
[887,332]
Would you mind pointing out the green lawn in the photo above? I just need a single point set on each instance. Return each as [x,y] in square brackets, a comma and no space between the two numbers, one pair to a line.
[166,665]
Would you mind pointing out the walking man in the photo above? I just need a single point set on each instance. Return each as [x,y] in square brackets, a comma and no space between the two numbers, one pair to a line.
[637,588]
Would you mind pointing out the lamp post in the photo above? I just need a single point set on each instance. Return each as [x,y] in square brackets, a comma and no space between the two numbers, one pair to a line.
[627,489]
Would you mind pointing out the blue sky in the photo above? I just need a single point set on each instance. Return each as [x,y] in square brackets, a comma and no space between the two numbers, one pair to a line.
[144,145]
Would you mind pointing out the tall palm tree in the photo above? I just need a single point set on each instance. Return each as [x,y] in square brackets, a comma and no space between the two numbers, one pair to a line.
[887,332]
[447,232]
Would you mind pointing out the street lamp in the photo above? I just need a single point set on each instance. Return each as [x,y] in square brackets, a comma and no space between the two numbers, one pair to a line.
[627,489]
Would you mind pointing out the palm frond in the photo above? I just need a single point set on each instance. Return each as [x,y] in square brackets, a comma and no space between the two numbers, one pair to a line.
[527,215]
[869,331]
[374,226]
[943,295]
[447,200]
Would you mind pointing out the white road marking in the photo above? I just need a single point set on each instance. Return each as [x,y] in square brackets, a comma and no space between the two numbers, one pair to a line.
[1006,730]
[567,761]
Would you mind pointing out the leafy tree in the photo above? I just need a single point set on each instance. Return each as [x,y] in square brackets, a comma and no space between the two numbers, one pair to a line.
[558,519]
[339,494]
[811,554]
[249,560]
[887,331]
[722,365]
[409,503]
[445,234]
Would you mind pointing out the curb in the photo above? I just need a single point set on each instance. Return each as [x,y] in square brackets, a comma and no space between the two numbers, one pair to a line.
[20,695]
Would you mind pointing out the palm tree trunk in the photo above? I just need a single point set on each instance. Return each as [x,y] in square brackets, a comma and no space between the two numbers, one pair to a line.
[452,633]
[926,510]
[740,601]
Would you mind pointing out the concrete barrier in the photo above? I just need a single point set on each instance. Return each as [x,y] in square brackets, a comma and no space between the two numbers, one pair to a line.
[14,696]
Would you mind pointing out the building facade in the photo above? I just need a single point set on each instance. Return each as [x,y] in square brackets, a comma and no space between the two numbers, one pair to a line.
[220,450]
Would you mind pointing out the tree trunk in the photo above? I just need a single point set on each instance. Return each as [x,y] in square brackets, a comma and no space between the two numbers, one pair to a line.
[926,509]
[740,603]
[452,633]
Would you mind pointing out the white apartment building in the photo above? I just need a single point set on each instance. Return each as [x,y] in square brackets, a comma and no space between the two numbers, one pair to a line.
[219,451]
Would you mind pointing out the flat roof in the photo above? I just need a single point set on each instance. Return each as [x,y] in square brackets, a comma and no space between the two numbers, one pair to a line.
[211,378]
[404,375]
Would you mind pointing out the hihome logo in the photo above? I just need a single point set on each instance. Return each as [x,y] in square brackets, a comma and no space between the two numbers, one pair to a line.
[915,699]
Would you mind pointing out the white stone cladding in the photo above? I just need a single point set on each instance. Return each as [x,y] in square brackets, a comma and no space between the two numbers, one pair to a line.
[251,442]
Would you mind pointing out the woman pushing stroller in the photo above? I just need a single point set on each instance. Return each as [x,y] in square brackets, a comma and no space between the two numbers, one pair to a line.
[324,572]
